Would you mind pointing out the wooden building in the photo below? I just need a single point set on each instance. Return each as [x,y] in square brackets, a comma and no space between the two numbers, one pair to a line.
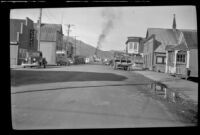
[182,59]
[154,46]
[23,41]
[51,40]
[134,48]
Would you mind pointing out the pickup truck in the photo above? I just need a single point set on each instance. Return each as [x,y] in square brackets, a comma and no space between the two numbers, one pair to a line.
[120,63]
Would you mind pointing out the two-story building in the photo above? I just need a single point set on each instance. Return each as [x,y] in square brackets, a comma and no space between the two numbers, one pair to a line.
[134,48]
[23,42]
[51,40]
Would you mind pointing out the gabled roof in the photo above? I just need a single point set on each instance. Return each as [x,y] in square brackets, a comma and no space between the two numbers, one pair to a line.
[180,47]
[190,37]
[133,39]
[49,31]
[163,36]
[15,26]
[169,47]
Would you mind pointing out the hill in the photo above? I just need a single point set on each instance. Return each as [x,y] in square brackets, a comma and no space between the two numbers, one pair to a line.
[87,50]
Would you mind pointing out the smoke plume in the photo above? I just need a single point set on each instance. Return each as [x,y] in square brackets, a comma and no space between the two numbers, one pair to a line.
[110,17]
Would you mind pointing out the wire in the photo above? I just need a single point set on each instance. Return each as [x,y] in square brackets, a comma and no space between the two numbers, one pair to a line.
[48,16]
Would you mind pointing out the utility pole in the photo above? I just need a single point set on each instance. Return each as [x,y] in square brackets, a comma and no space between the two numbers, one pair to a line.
[39,32]
[75,46]
[68,30]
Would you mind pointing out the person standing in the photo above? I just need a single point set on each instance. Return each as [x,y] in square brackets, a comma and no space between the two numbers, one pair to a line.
[44,62]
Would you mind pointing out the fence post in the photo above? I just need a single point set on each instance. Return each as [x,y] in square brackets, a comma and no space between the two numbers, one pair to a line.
[173,96]
[154,87]
[165,90]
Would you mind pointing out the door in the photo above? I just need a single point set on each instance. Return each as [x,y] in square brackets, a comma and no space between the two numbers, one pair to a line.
[13,54]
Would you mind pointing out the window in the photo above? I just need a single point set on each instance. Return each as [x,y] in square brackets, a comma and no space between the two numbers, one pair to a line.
[160,60]
[181,58]
[130,45]
[22,53]
[135,46]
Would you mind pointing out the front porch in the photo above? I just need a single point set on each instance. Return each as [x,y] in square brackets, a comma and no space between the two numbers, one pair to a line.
[177,63]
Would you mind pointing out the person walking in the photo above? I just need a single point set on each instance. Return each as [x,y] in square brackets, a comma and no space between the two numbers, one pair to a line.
[44,62]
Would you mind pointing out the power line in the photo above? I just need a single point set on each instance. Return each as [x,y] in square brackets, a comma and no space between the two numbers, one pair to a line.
[50,16]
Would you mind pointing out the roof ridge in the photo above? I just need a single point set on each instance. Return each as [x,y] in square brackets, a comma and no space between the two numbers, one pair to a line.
[161,28]
[16,19]
[51,24]
[188,30]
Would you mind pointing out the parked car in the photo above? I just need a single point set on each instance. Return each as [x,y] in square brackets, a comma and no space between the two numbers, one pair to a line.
[34,62]
[62,60]
[79,60]
[24,65]
[87,60]
[71,61]
[137,66]
[106,62]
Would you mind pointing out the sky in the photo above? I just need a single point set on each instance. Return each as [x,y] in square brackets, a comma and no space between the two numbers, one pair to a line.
[109,27]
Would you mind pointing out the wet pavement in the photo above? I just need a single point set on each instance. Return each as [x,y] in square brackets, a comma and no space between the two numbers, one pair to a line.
[100,103]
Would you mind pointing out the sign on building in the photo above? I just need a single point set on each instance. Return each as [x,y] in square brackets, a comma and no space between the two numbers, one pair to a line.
[31,43]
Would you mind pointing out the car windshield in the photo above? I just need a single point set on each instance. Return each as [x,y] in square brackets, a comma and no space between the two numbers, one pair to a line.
[123,60]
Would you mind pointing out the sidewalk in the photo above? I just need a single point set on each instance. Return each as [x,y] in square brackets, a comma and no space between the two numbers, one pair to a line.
[15,66]
[188,89]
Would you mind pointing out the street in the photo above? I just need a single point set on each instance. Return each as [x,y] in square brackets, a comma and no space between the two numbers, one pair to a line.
[91,96]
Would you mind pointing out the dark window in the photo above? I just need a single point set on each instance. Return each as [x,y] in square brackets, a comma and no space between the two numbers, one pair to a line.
[181,58]
[130,45]
[160,60]
[135,46]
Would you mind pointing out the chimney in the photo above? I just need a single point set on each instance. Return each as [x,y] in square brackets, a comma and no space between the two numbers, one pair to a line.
[174,23]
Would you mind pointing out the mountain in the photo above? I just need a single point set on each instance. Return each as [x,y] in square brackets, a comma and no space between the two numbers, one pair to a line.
[84,49]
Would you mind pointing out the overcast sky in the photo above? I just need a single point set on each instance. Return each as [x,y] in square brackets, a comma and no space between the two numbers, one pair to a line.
[117,23]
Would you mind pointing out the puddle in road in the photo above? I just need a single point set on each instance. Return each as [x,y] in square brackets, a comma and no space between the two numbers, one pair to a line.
[184,109]
[164,92]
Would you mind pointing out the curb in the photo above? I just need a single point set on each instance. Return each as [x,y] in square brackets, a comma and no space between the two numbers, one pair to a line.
[175,94]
